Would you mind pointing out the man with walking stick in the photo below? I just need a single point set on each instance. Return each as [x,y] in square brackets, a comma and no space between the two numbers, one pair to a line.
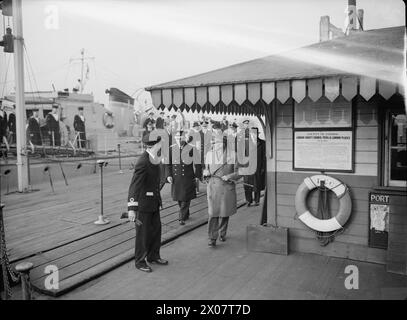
[221,173]
[144,202]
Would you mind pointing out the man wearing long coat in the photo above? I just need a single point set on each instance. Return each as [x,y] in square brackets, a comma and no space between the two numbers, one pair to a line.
[221,170]
[182,176]
[34,129]
[257,180]
[52,120]
[3,126]
[79,127]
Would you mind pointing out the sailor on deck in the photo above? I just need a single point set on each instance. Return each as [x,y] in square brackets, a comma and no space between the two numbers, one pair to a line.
[34,129]
[79,126]
[52,120]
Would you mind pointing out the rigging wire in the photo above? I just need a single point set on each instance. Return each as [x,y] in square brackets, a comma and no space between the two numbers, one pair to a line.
[5,75]
[30,67]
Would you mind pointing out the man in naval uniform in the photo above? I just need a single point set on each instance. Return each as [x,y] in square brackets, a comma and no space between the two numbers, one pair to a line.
[52,121]
[34,130]
[182,176]
[160,121]
[79,127]
[144,202]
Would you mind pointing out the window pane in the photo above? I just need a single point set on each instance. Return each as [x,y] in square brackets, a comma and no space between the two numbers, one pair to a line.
[323,114]
[398,153]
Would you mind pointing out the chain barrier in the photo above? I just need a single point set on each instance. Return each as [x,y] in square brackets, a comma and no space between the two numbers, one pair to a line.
[7,272]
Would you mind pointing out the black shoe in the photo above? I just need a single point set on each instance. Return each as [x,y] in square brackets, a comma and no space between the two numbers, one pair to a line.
[221,238]
[144,267]
[249,204]
[181,222]
[159,261]
[256,204]
[212,243]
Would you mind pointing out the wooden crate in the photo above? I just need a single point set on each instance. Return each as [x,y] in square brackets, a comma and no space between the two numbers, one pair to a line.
[266,238]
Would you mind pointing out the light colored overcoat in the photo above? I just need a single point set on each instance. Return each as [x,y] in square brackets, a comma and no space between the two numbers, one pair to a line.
[221,195]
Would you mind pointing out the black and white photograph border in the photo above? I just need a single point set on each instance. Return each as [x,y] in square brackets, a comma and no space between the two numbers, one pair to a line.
[203,155]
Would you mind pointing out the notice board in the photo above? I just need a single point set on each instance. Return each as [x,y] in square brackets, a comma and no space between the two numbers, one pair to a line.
[323,150]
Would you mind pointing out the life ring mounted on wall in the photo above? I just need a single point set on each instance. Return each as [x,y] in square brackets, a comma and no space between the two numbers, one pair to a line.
[108,120]
[340,190]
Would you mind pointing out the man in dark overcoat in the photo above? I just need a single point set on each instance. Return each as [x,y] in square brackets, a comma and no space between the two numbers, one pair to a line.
[79,127]
[3,126]
[12,127]
[182,175]
[144,202]
[52,120]
[34,130]
[257,180]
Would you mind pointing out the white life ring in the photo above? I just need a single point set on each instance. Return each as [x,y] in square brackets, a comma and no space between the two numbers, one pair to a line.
[108,120]
[340,190]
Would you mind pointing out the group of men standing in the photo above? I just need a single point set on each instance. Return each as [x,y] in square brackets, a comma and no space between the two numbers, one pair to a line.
[7,127]
[55,128]
[199,155]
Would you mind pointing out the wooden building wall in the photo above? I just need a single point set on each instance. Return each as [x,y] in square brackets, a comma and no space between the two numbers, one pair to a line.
[353,242]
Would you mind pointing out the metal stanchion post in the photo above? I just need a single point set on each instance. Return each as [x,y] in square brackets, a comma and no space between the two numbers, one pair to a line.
[47,169]
[101,220]
[6,175]
[120,159]
[63,173]
[23,269]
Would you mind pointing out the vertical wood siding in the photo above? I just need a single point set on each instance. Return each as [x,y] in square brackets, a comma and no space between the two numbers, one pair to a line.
[353,242]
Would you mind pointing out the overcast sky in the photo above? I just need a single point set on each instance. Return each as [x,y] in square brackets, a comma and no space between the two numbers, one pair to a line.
[144,42]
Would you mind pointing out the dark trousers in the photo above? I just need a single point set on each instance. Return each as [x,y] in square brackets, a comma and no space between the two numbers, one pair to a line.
[148,237]
[184,209]
[248,192]
[217,225]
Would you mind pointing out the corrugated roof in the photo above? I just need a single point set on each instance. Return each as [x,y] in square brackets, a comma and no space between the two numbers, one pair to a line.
[375,53]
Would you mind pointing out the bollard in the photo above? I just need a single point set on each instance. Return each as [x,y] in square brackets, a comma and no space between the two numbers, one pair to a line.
[101,220]
[23,269]
[120,159]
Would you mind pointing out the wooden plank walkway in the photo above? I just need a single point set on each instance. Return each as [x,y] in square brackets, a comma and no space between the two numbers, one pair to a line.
[57,229]
[231,272]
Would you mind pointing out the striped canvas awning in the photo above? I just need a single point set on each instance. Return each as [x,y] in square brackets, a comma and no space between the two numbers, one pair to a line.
[247,98]
[365,63]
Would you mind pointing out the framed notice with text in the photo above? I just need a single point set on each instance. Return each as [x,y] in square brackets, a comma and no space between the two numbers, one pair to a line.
[323,137]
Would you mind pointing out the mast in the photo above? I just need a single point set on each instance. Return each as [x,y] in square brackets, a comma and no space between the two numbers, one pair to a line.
[82,60]
[22,166]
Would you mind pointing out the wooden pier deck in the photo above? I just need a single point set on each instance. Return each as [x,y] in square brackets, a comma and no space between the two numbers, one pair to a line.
[231,272]
[57,229]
